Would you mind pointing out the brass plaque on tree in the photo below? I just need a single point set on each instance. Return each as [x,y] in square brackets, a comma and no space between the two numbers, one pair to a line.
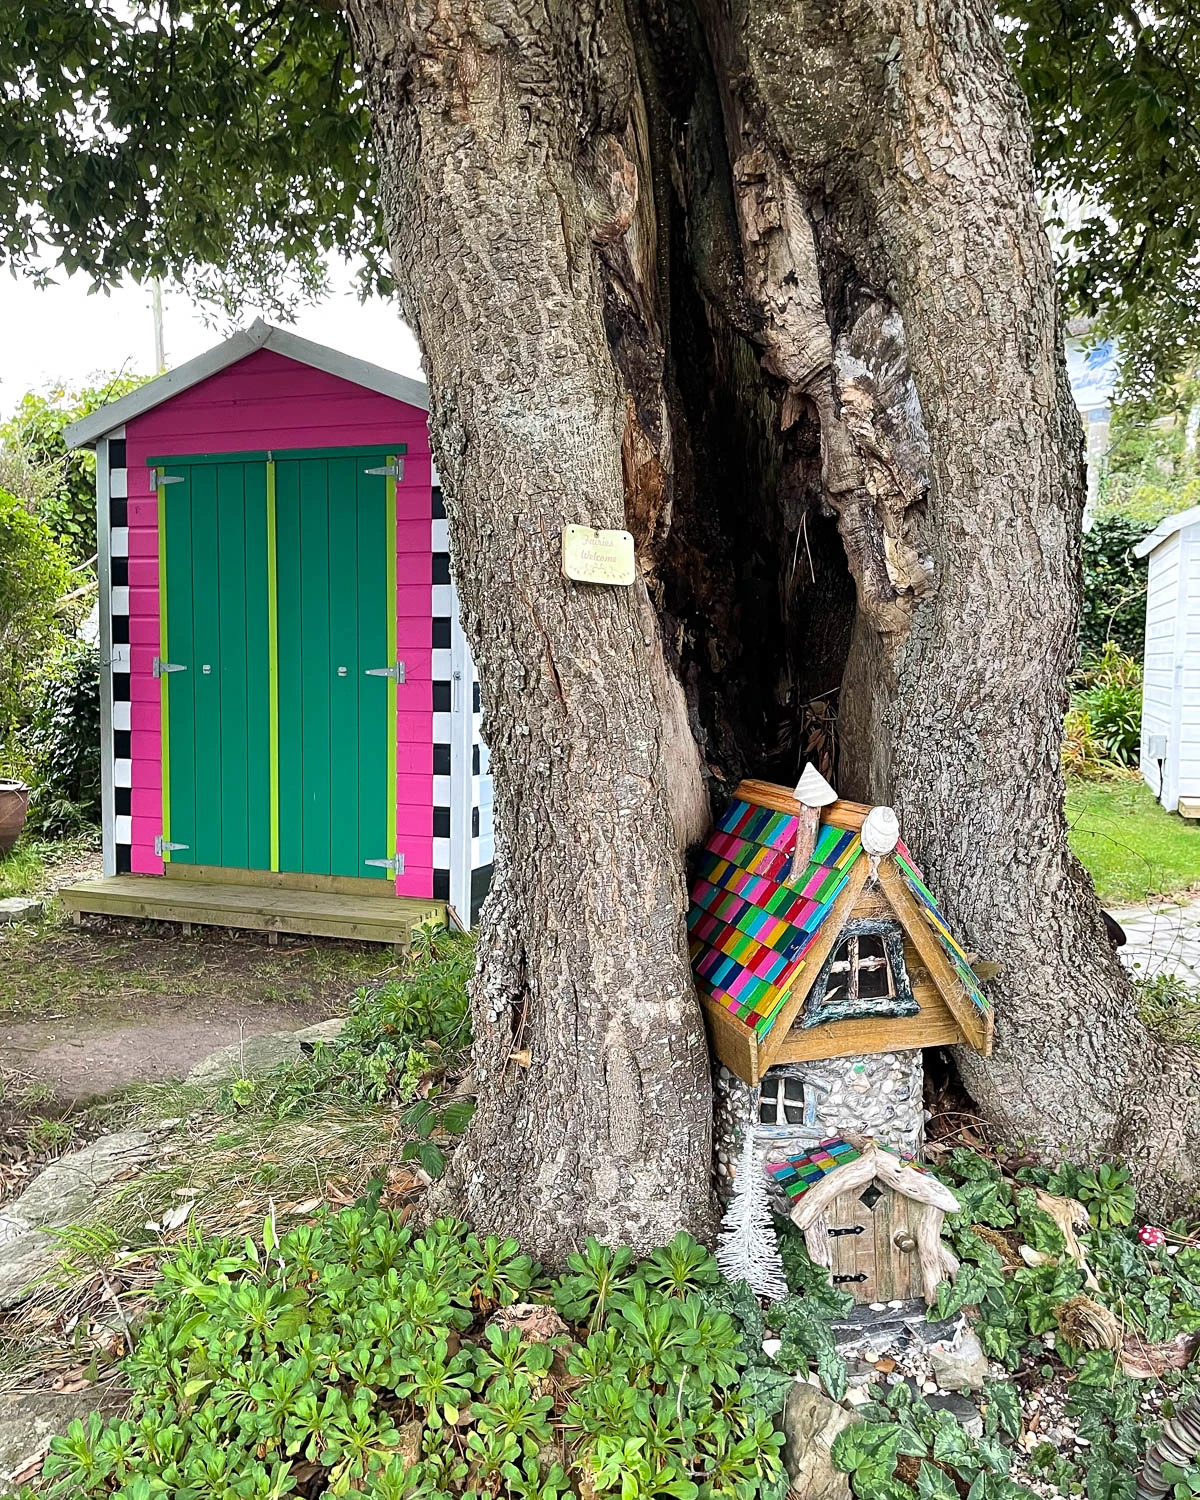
[591,556]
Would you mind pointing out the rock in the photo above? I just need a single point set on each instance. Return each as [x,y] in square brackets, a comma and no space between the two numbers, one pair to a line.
[256,1054]
[323,1031]
[64,1192]
[19,909]
[811,1422]
[960,1366]
[409,1446]
[30,1419]
[24,1261]
[253,1054]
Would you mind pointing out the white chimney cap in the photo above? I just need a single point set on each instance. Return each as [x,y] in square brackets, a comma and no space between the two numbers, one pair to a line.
[880,831]
[812,789]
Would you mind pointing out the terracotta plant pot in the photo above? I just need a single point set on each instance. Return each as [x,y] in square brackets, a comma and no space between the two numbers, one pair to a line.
[14,803]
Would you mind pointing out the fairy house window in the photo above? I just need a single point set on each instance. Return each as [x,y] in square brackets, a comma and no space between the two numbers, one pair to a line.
[781,1100]
[864,976]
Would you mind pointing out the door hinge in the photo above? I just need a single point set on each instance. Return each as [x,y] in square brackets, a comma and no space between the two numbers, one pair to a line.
[853,1229]
[860,1276]
[396,864]
[170,478]
[390,471]
[164,846]
[395,671]
[161,668]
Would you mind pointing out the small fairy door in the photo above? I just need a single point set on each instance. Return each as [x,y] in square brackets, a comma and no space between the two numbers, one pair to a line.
[873,1246]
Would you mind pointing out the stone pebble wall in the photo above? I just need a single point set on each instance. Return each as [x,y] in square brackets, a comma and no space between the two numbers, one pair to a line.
[879,1096]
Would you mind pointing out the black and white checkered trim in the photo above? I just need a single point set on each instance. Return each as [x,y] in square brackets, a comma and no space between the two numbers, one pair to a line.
[462,785]
[112,539]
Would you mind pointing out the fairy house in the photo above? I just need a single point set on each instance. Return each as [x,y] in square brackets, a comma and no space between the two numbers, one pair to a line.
[824,966]
[870,1218]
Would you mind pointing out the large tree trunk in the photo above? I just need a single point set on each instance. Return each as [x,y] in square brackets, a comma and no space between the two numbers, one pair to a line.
[605,1127]
[922,141]
[765,281]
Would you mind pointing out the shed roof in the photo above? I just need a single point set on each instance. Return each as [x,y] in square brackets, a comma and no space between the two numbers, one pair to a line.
[88,430]
[1166,529]
[753,922]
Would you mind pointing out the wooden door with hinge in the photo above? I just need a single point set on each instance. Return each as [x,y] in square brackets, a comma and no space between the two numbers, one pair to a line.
[872,1243]
[278,662]
[335,540]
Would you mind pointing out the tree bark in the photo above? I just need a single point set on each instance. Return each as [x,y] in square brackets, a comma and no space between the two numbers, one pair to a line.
[583,955]
[748,276]
[959,719]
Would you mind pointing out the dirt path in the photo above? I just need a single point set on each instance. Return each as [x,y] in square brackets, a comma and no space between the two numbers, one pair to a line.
[92,1009]
[83,1057]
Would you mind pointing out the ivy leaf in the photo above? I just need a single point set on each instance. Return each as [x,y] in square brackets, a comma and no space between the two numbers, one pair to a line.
[457,1116]
[1003,1408]
[1096,1368]
[934,1483]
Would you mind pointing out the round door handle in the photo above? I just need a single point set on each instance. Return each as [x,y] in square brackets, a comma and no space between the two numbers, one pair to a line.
[905,1242]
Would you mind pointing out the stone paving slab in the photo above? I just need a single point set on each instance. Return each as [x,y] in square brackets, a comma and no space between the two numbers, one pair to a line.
[1162,939]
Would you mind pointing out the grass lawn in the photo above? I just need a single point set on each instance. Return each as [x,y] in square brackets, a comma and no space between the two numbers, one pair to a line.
[1131,848]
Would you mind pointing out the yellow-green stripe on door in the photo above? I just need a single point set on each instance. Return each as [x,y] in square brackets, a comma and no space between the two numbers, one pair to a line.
[164,678]
[273,660]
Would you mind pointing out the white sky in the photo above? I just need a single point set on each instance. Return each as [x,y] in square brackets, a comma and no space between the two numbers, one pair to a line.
[63,335]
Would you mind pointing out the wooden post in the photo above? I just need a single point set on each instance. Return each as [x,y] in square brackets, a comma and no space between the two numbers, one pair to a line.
[813,793]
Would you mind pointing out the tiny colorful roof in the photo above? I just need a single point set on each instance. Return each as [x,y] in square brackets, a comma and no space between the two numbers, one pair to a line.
[797,1174]
[751,922]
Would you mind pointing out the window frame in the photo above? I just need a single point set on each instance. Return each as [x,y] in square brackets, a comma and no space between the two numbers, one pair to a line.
[818,1011]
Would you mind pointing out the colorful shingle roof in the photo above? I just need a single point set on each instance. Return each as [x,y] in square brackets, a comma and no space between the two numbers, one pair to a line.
[751,922]
[798,1173]
[933,915]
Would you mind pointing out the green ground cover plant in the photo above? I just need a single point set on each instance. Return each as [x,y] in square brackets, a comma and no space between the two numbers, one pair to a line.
[1131,847]
[357,1355]
[1170,1007]
[404,1043]
[367,1358]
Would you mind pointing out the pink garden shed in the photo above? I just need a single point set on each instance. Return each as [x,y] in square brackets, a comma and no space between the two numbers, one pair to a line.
[290,715]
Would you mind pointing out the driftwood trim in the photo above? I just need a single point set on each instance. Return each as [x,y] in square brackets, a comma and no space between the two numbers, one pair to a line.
[934,1266]
[816,1242]
[921,1187]
[839,814]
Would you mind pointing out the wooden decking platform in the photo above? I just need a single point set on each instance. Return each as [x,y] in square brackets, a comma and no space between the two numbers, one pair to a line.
[257,908]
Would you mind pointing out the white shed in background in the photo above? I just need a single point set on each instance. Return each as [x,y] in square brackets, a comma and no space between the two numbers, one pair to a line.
[1170,755]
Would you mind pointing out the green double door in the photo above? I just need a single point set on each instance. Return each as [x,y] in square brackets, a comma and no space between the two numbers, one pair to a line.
[277,660]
